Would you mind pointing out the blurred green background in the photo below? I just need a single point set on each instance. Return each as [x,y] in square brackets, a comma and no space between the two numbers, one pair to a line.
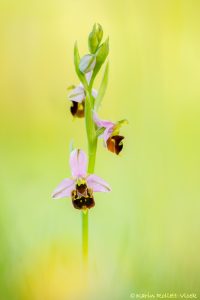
[144,236]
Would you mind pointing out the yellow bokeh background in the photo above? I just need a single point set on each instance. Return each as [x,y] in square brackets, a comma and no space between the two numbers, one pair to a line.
[144,236]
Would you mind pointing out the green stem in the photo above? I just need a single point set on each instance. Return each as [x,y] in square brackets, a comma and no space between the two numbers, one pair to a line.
[91,163]
[92,148]
[85,238]
[91,131]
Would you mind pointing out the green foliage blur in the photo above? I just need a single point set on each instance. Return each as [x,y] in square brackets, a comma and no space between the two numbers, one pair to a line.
[144,236]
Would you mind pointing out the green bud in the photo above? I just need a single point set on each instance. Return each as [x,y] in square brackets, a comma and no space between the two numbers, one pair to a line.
[87,63]
[95,37]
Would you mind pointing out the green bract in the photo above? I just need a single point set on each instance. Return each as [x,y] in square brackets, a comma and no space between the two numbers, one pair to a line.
[101,56]
[102,88]
[76,63]
[95,37]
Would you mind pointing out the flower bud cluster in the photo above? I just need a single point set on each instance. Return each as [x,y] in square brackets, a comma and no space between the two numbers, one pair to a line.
[98,52]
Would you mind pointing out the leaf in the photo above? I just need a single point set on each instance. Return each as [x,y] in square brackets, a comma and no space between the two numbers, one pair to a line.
[102,88]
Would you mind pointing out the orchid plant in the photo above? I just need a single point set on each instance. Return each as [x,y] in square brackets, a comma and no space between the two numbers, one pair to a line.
[85,102]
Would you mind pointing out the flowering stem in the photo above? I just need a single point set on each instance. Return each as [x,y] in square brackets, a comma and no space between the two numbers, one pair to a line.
[92,148]
[85,238]
[91,131]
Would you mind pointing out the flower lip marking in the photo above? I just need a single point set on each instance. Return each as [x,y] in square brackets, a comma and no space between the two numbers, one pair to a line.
[77,109]
[114,144]
[81,186]
[82,197]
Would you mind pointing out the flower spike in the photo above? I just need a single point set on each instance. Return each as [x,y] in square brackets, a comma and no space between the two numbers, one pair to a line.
[85,101]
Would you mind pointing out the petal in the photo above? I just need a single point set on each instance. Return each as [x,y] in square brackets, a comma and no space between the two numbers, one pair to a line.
[64,189]
[78,163]
[97,184]
[107,133]
[102,123]
[77,94]
[88,76]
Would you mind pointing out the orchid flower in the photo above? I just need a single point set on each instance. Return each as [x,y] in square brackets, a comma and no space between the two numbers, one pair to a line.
[109,131]
[77,96]
[80,186]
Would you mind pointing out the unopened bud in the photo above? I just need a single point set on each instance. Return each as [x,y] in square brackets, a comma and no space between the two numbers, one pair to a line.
[95,37]
[87,63]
